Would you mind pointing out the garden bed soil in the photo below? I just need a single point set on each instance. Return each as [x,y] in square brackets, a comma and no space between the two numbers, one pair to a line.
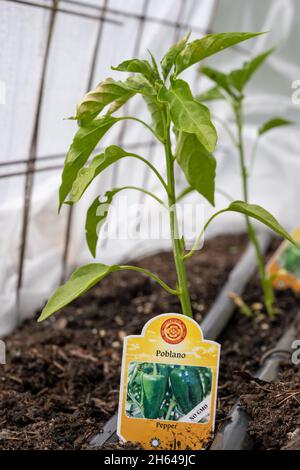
[61,381]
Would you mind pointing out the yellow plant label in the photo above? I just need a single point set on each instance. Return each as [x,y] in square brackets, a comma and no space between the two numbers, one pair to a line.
[168,385]
[284,266]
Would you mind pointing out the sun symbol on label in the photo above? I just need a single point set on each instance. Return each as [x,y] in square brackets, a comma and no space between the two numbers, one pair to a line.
[154,442]
[173,331]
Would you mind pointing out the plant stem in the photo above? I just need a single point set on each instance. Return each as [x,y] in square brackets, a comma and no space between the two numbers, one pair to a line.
[197,241]
[155,171]
[190,189]
[253,155]
[142,190]
[265,281]
[131,118]
[177,244]
[226,128]
[151,275]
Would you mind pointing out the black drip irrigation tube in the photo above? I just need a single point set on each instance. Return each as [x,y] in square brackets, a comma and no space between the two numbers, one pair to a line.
[214,322]
[233,434]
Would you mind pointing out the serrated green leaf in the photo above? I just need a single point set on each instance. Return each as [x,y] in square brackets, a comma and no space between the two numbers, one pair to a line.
[137,66]
[198,165]
[82,279]
[211,94]
[188,115]
[169,59]
[272,123]
[239,78]
[106,92]
[200,49]
[259,213]
[98,164]
[95,218]
[85,141]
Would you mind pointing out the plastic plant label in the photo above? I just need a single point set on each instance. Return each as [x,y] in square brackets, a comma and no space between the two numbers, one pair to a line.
[284,266]
[168,385]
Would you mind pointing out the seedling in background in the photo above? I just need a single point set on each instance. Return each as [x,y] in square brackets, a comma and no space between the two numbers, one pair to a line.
[231,87]
[171,105]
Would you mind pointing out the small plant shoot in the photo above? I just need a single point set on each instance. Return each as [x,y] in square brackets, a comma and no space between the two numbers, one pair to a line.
[231,87]
[172,107]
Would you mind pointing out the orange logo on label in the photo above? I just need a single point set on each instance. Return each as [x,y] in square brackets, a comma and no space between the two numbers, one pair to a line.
[173,331]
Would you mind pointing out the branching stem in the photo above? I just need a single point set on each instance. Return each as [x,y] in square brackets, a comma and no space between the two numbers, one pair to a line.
[153,276]
[268,292]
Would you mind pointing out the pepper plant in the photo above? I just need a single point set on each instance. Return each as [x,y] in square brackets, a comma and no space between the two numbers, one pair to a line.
[171,105]
[231,87]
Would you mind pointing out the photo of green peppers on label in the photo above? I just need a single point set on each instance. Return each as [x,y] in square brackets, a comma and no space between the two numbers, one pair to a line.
[290,260]
[168,392]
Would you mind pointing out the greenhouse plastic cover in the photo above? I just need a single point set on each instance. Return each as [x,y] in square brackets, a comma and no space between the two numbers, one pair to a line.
[23,36]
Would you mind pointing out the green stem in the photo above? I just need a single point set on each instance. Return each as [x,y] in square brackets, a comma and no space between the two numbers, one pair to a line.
[266,284]
[152,168]
[253,155]
[151,275]
[197,241]
[190,189]
[131,118]
[136,188]
[226,128]
[177,244]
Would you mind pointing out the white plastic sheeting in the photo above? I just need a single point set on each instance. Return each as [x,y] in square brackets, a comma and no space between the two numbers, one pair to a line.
[23,35]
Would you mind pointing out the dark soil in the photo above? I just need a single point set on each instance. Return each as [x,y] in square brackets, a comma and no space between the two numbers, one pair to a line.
[61,381]
[275,410]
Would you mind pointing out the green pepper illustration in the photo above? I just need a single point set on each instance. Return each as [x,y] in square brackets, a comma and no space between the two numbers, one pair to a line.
[153,393]
[290,260]
[187,387]
[163,369]
[195,387]
[206,379]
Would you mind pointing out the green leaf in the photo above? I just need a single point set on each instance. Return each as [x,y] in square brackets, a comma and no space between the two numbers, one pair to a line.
[82,279]
[198,50]
[259,213]
[98,164]
[95,218]
[272,123]
[118,103]
[136,84]
[188,115]
[240,77]
[198,165]
[85,141]
[169,59]
[211,94]
[154,64]
[156,112]
[140,84]
[137,66]
[108,91]
[220,78]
